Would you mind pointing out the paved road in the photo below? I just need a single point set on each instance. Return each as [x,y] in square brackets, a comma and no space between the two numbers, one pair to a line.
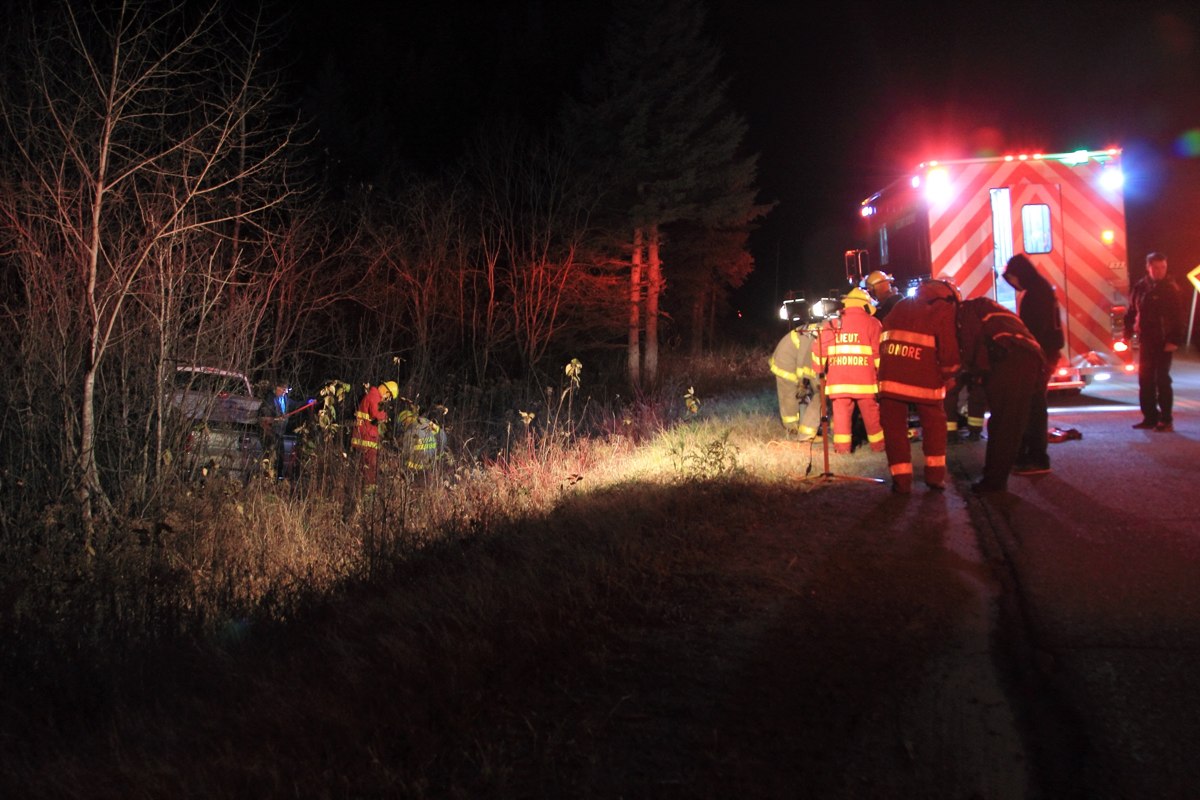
[1100,606]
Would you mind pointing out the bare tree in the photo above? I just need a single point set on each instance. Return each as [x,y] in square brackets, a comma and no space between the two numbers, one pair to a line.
[535,226]
[138,136]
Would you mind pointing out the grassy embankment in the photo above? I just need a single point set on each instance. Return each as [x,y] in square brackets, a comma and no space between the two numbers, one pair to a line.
[431,639]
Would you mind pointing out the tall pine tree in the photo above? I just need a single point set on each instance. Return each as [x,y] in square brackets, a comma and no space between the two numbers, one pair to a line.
[655,113]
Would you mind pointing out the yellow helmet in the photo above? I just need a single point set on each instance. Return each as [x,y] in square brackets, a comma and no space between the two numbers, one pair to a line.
[857,297]
[392,387]
[876,277]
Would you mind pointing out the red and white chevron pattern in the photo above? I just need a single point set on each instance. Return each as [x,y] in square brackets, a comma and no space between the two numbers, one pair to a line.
[1089,272]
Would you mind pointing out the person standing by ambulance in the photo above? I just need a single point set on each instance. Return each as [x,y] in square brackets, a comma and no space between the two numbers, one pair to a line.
[1037,306]
[918,356]
[847,355]
[370,419]
[1156,316]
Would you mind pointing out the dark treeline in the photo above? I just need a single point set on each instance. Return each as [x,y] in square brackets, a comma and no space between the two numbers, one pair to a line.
[163,202]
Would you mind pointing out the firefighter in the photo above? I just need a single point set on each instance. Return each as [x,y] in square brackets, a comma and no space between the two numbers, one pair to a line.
[883,288]
[846,357]
[918,355]
[370,420]
[421,439]
[796,382]
[999,348]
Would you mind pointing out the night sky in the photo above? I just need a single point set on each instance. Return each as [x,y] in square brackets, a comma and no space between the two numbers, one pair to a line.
[840,100]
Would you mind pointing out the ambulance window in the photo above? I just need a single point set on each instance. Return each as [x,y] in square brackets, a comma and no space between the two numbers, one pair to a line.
[1035,228]
[883,246]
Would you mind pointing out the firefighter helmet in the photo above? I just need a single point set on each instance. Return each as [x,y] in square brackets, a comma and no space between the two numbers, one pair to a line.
[933,290]
[857,297]
[392,387]
[877,277]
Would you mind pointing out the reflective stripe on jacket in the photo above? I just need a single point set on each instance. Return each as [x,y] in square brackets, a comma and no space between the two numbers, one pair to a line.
[368,416]
[918,351]
[847,351]
[987,330]
[791,360]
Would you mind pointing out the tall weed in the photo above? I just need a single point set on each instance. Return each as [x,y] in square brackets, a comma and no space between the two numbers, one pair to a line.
[219,557]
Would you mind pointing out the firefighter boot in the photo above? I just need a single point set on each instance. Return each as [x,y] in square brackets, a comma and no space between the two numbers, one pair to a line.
[935,472]
[902,477]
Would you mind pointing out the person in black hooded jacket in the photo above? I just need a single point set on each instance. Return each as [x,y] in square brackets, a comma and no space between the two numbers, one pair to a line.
[1037,306]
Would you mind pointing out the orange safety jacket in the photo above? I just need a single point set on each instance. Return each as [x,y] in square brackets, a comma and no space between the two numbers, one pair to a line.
[847,352]
[369,415]
[918,351]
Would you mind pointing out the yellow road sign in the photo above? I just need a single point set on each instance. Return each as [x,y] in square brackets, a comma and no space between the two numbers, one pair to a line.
[1194,278]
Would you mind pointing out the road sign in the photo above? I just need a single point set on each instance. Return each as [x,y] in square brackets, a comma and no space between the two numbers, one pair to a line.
[1194,278]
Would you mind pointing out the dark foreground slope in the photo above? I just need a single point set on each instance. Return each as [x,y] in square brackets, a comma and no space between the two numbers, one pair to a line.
[691,640]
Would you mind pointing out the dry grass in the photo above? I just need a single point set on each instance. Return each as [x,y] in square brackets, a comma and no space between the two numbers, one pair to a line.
[247,642]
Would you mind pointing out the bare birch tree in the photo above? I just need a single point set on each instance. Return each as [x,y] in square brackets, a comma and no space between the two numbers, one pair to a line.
[138,136]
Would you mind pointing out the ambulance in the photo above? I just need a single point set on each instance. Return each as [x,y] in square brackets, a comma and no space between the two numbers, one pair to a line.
[961,220]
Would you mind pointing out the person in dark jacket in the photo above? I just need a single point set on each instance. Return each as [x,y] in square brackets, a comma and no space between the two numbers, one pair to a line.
[275,426]
[998,349]
[1156,315]
[1037,306]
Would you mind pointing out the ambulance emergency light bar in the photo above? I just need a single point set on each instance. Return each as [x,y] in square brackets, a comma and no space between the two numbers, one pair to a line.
[938,188]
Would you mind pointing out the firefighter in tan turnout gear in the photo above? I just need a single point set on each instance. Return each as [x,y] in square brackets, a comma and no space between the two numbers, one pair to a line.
[918,355]
[847,356]
[796,383]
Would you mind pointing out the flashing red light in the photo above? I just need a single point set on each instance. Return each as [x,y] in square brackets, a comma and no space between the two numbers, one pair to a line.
[1063,372]
[1120,346]
[1130,367]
